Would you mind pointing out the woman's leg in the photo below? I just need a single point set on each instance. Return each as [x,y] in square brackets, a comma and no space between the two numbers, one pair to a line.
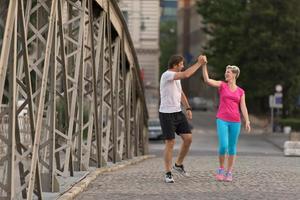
[222,130]
[233,132]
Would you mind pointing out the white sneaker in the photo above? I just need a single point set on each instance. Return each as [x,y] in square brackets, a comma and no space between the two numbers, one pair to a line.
[180,170]
[169,178]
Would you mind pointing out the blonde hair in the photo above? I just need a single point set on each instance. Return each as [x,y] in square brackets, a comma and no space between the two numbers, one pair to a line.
[234,69]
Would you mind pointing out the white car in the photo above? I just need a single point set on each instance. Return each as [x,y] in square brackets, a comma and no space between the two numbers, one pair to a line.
[198,103]
[154,129]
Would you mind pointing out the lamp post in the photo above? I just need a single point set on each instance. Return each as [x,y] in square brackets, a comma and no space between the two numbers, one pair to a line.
[186,37]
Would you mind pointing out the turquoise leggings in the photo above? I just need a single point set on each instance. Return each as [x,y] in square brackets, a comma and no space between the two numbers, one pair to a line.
[228,133]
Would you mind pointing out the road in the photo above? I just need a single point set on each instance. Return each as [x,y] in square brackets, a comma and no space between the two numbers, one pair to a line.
[205,139]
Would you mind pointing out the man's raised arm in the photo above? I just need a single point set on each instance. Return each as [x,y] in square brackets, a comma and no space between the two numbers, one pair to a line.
[191,70]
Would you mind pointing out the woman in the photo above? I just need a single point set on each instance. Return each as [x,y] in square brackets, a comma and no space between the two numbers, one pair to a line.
[232,100]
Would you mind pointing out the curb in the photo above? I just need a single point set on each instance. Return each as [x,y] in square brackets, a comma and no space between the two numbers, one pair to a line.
[268,138]
[280,147]
[83,183]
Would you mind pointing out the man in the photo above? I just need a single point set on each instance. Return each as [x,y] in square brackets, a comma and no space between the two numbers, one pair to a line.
[170,114]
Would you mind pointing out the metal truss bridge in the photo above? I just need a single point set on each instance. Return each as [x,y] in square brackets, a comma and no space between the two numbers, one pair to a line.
[70,91]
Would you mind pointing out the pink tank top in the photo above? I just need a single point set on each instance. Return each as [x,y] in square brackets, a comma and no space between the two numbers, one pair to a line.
[229,106]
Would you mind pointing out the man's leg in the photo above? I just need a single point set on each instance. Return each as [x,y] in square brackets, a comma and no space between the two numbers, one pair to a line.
[185,146]
[166,122]
[169,145]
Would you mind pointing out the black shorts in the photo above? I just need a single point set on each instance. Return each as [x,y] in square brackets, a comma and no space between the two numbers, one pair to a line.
[172,123]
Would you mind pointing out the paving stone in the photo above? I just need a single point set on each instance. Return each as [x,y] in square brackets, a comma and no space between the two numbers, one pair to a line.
[254,178]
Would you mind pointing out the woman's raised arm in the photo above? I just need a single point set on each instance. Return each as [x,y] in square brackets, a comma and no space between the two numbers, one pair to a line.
[207,80]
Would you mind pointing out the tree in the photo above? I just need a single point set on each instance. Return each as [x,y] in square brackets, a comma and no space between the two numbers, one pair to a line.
[168,41]
[263,39]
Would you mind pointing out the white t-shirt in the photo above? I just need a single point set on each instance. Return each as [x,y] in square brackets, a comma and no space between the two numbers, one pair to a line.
[170,93]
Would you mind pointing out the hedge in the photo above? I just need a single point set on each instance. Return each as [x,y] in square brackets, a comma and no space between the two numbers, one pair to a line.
[292,122]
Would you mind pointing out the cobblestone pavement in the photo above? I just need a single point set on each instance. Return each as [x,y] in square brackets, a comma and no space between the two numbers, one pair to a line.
[261,173]
[259,177]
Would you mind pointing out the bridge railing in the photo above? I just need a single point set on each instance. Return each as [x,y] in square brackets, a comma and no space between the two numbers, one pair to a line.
[70,67]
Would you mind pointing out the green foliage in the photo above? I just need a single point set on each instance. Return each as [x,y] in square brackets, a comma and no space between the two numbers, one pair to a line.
[292,122]
[168,41]
[62,120]
[61,114]
[263,39]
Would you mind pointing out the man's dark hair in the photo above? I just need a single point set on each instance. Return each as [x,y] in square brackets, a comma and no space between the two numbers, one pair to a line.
[174,60]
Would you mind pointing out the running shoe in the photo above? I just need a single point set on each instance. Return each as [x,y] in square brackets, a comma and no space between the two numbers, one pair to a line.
[169,178]
[180,169]
[228,177]
[220,174]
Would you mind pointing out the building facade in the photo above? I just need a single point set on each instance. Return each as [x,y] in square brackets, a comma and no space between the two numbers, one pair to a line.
[191,42]
[143,17]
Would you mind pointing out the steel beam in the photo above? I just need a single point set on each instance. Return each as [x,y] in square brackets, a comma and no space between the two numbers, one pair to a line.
[71,68]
